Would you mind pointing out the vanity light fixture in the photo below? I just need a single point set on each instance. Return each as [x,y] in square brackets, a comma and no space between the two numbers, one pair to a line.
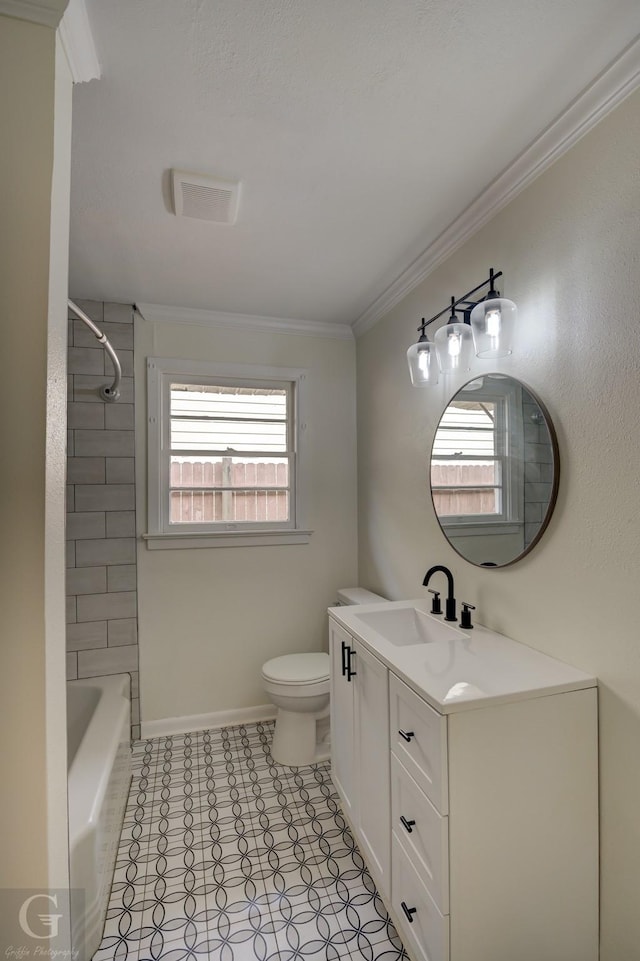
[423,364]
[486,330]
[454,344]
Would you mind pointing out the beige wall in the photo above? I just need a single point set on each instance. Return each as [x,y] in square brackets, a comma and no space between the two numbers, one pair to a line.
[208,618]
[55,475]
[35,111]
[570,250]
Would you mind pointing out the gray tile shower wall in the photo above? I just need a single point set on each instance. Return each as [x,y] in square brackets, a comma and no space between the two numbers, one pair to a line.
[538,470]
[102,626]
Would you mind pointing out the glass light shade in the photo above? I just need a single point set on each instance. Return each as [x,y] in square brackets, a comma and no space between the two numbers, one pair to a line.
[423,365]
[493,323]
[454,345]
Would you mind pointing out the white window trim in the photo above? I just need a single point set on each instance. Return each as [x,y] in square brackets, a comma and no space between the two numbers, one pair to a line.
[481,530]
[160,370]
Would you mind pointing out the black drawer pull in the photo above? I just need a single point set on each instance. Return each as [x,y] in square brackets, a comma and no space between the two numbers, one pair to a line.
[407,735]
[407,825]
[344,658]
[350,672]
[409,912]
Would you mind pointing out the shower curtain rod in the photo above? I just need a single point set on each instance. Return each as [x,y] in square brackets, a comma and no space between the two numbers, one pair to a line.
[108,394]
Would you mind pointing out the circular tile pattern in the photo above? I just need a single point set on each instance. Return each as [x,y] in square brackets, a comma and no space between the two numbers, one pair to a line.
[226,855]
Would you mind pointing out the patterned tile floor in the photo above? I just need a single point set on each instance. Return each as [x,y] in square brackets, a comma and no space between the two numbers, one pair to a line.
[226,855]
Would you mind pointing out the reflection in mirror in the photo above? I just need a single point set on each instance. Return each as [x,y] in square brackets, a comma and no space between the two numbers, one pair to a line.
[494,470]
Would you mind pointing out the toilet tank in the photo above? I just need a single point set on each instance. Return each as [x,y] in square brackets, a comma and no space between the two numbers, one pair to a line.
[357,595]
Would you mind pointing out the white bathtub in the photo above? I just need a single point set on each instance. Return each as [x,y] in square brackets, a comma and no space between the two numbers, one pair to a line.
[99,750]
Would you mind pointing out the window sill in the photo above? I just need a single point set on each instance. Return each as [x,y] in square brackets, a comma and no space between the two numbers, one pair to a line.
[481,529]
[181,540]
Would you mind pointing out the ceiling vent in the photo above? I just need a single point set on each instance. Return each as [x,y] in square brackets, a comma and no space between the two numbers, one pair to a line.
[205,198]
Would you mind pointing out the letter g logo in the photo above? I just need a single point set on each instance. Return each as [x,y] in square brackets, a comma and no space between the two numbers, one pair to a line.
[48,922]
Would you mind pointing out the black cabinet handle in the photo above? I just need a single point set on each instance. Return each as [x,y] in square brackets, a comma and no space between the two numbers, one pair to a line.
[409,912]
[344,658]
[407,735]
[350,672]
[407,825]
[347,654]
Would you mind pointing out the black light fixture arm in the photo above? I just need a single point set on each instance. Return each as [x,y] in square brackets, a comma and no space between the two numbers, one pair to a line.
[467,304]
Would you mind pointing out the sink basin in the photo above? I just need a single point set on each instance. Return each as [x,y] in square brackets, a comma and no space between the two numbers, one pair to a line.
[409,625]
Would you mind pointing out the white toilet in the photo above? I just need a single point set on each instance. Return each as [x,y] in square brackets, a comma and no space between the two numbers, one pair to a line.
[298,684]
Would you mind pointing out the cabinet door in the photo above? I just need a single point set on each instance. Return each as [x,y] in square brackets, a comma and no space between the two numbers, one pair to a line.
[342,721]
[372,758]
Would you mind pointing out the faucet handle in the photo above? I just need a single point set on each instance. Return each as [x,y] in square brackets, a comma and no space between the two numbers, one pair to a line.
[465,616]
[436,607]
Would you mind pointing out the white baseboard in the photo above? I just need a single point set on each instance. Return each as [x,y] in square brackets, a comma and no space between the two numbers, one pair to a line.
[167,726]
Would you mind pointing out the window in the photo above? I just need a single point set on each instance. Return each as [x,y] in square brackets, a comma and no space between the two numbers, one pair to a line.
[231,454]
[224,454]
[472,481]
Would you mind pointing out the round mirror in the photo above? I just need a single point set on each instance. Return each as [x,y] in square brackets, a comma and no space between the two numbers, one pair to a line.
[494,470]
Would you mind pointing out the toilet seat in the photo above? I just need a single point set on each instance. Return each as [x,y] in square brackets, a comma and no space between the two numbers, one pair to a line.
[297,669]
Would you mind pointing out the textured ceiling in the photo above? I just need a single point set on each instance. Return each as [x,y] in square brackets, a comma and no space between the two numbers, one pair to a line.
[359,128]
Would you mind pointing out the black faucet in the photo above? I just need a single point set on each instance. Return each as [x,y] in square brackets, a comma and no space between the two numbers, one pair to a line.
[450,606]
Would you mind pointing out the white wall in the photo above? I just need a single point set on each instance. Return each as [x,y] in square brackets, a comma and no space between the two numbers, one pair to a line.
[569,247]
[208,618]
[35,114]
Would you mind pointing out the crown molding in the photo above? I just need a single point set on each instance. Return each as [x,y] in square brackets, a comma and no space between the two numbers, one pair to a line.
[159,313]
[77,41]
[45,12]
[602,96]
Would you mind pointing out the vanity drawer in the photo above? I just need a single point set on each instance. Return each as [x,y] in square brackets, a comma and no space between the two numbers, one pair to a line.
[419,741]
[422,831]
[427,934]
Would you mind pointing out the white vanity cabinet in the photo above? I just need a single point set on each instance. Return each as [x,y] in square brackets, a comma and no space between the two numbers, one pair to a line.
[360,747]
[491,804]
[343,745]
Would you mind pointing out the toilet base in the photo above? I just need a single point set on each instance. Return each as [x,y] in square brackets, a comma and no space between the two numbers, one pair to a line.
[323,739]
[295,740]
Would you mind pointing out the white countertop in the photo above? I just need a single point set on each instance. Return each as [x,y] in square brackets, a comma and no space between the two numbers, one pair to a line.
[467,671]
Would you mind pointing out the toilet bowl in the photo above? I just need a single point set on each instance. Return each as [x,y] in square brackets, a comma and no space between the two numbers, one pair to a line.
[298,684]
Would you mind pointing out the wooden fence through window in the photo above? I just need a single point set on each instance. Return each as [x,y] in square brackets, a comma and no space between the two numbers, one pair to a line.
[221,490]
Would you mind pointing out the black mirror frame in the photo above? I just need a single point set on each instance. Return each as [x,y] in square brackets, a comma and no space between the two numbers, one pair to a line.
[554,485]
